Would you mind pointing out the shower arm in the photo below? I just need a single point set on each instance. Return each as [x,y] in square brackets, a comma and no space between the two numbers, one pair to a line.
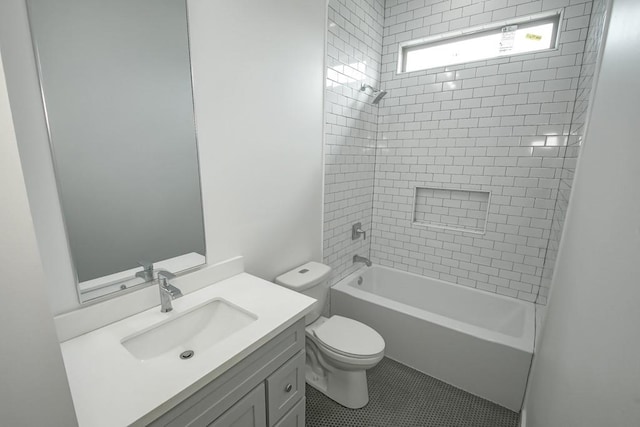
[379,94]
[365,86]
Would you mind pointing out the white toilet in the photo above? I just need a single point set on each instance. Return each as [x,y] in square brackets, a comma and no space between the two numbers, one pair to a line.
[339,349]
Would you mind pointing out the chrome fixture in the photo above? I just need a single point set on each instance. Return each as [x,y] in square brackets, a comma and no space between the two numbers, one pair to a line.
[356,231]
[378,97]
[358,258]
[188,354]
[147,273]
[379,94]
[168,292]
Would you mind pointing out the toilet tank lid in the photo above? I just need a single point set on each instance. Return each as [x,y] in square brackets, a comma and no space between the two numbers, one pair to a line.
[305,276]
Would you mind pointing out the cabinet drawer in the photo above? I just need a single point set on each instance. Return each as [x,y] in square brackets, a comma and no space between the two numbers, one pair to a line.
[285,387]
[295,417]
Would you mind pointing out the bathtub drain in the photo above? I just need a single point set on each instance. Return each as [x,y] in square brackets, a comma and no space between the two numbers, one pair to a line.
[359,280]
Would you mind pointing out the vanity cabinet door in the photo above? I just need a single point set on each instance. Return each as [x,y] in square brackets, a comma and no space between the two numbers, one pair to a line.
[250,411]
[285,387]
[295,417]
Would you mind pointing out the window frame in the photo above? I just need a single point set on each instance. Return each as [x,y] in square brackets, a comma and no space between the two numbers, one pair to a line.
[487,29]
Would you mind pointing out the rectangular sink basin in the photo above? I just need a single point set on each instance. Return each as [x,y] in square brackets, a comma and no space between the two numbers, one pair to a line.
[194,330]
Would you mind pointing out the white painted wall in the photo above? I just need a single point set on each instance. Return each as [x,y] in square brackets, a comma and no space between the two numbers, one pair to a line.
[587,370]
[258,83]
[34,390]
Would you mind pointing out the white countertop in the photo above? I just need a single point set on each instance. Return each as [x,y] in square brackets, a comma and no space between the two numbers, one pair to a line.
[110,387]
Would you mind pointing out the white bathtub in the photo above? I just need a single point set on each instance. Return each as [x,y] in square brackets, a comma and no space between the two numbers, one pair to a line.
[475,340]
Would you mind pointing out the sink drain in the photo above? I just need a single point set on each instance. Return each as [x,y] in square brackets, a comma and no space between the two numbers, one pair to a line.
[186,354]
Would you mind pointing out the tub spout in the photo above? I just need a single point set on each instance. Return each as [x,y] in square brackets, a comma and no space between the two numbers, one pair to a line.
[358,258]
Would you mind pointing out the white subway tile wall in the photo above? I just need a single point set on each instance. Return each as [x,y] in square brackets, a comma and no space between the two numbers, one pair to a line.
[578,128]
[354,51]
[459,209]
[500,125]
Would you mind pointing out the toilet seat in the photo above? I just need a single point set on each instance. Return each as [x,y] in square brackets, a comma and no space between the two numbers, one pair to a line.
[350,338]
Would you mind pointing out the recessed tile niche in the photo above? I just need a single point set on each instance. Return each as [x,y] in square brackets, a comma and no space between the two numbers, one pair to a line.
[462,210]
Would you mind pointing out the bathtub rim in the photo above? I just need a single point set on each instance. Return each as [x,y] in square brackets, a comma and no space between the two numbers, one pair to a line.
[523,343]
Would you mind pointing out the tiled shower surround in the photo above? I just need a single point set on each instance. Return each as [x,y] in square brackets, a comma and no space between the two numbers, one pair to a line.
[500,126]
[578,128]
[354,50]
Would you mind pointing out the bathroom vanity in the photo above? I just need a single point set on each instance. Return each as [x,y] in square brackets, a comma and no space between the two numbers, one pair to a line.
[264,389]
[231,353]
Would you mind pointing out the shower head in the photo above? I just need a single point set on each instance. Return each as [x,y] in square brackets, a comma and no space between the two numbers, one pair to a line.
[379,94]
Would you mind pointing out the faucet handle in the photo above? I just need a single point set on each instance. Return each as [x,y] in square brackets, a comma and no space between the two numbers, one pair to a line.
[147,272]
[364,233]
[146,265]
[165,275]
[356,231]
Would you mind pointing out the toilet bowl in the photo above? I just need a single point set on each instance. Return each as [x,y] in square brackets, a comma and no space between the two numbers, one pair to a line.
[339,350]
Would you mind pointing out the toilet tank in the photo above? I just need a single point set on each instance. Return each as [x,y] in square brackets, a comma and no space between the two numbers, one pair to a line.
[311,279]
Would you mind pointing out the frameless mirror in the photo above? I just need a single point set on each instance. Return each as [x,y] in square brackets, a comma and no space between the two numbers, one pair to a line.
[116,83]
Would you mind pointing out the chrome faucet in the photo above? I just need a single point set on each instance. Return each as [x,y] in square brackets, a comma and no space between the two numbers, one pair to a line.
[147,273]
[356,231]
[168,292]
[358,258]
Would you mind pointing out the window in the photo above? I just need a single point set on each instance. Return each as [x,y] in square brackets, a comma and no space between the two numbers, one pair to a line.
[531,34]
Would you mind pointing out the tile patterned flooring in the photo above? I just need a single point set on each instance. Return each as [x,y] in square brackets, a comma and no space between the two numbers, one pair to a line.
[400,396]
